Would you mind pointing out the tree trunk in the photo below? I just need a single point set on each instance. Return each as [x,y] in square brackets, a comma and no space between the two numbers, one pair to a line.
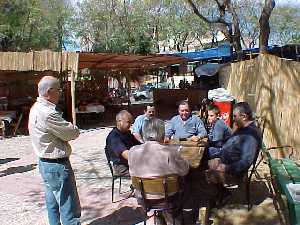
[231,30]
[265,26]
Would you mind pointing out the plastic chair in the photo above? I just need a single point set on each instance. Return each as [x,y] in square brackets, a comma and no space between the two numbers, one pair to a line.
[252,169]
[168,192]
[113,175]
[236,182]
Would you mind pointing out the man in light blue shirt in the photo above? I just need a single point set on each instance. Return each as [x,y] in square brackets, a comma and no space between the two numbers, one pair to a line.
[185,125]
[149,112]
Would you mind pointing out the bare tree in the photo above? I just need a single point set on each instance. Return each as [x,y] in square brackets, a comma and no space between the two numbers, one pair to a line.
[231,30]
[265,25]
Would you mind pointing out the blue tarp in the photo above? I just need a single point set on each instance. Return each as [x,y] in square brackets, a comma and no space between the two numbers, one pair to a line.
[221,51]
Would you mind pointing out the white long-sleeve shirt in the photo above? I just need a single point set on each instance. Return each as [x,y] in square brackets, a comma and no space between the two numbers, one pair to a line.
[153,159]
[49,132]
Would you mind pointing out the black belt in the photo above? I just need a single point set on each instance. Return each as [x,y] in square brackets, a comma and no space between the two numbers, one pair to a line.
[59,160]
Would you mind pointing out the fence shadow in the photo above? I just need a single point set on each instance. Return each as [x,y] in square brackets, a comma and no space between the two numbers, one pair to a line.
[18,169]
[7,160]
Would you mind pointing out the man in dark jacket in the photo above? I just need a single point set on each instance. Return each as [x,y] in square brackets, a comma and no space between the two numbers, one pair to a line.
[240,150]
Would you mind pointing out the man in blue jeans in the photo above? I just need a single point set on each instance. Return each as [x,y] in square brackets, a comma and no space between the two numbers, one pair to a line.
[50,134]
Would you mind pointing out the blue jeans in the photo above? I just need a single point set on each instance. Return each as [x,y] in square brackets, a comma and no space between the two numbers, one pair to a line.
[214,152]
[62,199]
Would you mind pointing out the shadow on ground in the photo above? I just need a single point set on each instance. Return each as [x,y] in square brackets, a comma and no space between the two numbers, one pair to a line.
[7,160]
[263,211]
[18,169]
[125,216]
[258,193]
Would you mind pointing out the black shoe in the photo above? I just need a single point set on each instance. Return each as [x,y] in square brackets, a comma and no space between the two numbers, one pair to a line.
[224,198]
[131,187]
[159,219]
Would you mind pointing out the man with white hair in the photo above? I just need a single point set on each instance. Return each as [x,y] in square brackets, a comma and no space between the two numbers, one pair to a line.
[50,134]
[155,159]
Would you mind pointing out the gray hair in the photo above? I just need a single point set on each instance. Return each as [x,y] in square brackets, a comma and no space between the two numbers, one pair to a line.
[122,114]
[46,83]
[154,130]
[244,108]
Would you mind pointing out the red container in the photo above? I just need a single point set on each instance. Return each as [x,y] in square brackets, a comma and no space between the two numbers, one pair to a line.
[225,111]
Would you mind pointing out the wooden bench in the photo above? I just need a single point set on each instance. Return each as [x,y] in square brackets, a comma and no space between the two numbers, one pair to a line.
[285,171]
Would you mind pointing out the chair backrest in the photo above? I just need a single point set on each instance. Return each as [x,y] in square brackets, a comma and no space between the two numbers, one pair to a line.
[158,185]
[163,188]
[109,162]
[261,123]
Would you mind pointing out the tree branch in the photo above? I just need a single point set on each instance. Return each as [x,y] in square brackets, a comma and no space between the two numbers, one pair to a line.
[264,25]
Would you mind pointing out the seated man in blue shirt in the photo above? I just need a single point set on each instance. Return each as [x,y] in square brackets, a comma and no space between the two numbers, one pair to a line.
[185,125]
[139,122]
[238,153]
[119,141]
[218,131]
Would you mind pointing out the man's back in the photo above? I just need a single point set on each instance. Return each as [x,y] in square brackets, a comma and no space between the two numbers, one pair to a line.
[153,159]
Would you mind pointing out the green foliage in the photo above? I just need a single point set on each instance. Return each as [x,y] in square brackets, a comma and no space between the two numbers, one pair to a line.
[33,24]
[285,25]
[136,26]
[133,26]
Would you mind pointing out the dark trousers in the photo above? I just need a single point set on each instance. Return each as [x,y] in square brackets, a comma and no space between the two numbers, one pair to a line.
[120,169]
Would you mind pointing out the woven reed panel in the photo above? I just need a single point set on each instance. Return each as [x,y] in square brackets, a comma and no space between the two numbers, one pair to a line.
[39,61]
[243,79]
[272,87]
[16,61]
[278,93]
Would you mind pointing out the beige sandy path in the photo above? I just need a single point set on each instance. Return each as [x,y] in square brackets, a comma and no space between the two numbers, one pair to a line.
[21,190]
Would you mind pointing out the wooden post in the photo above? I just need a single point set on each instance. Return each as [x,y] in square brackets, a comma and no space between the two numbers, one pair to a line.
[73,96]
[128,91]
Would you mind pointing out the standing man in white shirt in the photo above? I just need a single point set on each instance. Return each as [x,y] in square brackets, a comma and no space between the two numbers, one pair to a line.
[50,134]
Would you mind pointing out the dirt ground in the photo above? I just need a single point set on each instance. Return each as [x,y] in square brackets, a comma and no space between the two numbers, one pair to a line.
[22,196]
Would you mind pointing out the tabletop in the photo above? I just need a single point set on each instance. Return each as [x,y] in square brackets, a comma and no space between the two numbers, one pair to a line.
[192,151]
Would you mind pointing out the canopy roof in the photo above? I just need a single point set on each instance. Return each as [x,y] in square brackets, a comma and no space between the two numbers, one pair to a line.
[113,64]
[119,62]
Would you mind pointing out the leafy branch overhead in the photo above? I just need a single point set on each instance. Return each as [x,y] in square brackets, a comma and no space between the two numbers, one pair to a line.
[146,26]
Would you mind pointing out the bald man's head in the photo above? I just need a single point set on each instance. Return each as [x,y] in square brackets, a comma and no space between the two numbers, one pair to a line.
[48,88]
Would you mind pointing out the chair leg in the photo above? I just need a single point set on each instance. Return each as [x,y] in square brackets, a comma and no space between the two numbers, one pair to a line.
[155,217]
[173,216]
[248,195]
[120,183]
[112,189]
[145,220]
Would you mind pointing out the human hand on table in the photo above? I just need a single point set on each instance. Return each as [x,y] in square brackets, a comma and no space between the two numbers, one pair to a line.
[167,140]
[195,138]
[221,168]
